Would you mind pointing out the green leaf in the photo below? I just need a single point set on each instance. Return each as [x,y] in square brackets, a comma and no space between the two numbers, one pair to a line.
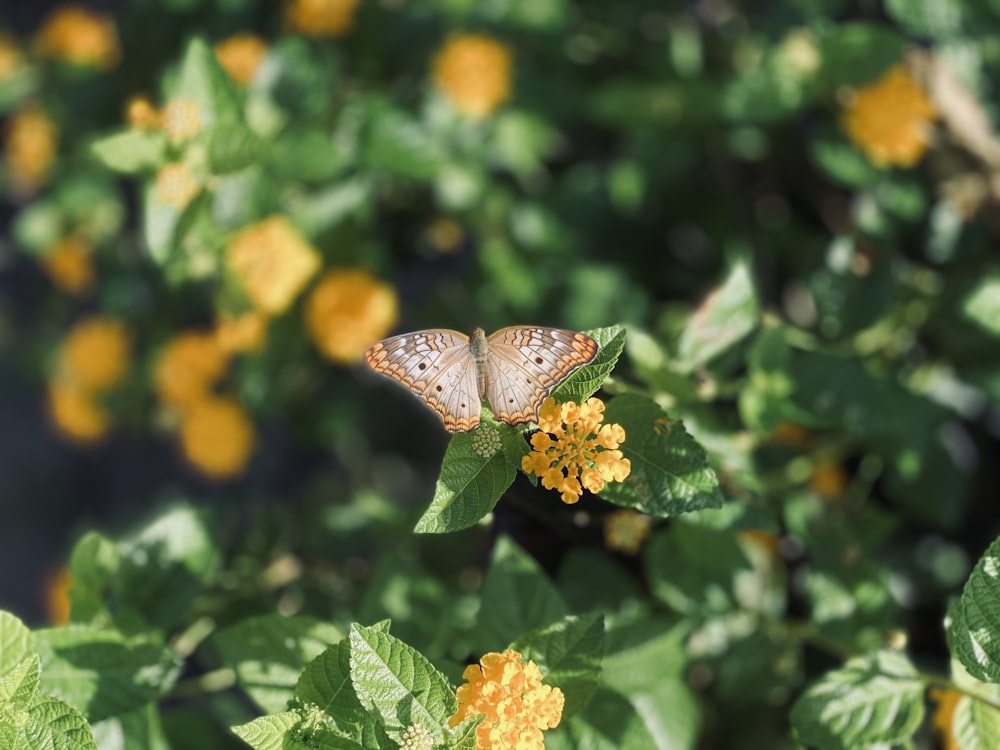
[609,723]
[724,318]
[517,597]
[54,725]
[137,730]
[202,80]
[982,304]
[975,724]
[269,653]
[569,654]
[232,146]
[400,145]
[268,732]
[670,471]
[160,222]
[472,478]
[974,634]
[582,383]
[934,19]
[326,682]
[94,562]
[132,151]
[398,683]
[855,54]
[591,579]
[101,672]
[18,686]
[16,642]
[303,155]
[463,737]
[874,698]
[842,162]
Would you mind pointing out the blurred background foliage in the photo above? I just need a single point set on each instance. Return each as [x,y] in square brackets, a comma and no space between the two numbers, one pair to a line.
[212,208]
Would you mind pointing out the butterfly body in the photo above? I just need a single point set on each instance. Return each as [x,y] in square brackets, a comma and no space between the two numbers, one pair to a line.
[513,369]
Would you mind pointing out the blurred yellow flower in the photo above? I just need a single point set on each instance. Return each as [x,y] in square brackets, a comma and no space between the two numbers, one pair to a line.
[321,17]
[625,530]
[140,113]
[241,333]
[445,235]
[217,437]
[348,311]
[890,120]
[11,56]
[509,693]
[241,55]
[474,72]
[68,263]
[943,718]
[175,185]
[76,412]
[57,604]
[573,451]
[273,263]
[829,479]
[181,120]
[80,36]
[95,354]
[789,433]
[188,368]
[30,148]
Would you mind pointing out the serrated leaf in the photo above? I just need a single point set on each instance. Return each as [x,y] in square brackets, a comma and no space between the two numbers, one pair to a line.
[203,81]
[582,383]
[400,684]
[138,730]
[982,305]
[54,725]
[326,682]
[975,725]
[463,737]
[569,654]
[470,484]
[16,642]
[18,685]
[233,146]
[609,723]
[268,732]
[93,564]
[670,471]
[132,151]
[975,633]
[724,318]
[517,597]
[269,653]
[101,672]
[873,698]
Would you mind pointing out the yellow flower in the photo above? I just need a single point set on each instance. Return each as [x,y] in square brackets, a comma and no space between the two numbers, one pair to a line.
[829,479]
[574,450]
[175,185]
[217,437]
[140,113]
[321,17]
[241,55]
[80,36]
[11,57]
[625,530]
[181,120]
[68,263]
[29,148]
[188,368]
[946,700]
[348,311]
[57,586]
[890,119]
[75,412]
[241,333]
[273,263]
[95,354]
[445,235]
[474,72]
[510,693]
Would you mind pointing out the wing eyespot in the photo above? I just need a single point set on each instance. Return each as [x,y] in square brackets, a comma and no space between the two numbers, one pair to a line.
[438,388]
[539,360]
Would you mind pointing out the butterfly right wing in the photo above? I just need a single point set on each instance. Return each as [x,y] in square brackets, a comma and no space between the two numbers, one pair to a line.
[437,366]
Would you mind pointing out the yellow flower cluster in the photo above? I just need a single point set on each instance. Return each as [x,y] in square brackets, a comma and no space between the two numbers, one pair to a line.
[241,55]
[273,262]
[140,113]
[828,479]
[92,360]
[216,435]
[241,333]
[574,451]
[348,311]
[57,604]
[175,185]
[321,17]
[181,120]
[625,530]
[944,716]
[68,263]
[79,36]
[510,693]
[890,120]
[30,144]
[474,72]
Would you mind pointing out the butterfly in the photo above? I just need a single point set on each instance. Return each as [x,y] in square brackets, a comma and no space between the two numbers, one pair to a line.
[515,369]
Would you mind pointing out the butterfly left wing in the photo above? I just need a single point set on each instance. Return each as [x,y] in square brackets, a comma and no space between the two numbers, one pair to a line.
[524,364]
[437,366]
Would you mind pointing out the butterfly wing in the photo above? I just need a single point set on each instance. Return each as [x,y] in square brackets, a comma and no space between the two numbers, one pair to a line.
[437,366]
[525,364]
